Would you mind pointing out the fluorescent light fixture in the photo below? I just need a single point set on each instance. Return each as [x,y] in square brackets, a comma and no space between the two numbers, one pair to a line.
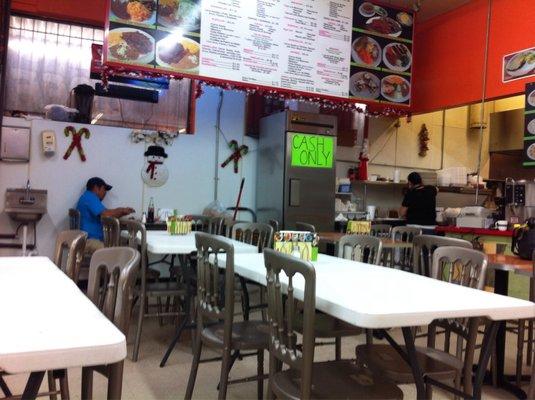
[97,117]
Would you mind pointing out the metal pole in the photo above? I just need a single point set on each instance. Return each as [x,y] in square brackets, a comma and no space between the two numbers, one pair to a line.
[217,136]
[483,96]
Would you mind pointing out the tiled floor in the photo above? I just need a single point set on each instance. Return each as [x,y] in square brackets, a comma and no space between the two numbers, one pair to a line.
[146,380]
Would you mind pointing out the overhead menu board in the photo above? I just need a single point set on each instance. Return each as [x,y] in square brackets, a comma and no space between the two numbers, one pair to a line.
[529,126]
[302,46]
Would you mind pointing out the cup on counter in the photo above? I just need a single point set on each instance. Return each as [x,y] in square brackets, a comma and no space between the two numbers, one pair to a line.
[370,212]
[373,178]
[501,225]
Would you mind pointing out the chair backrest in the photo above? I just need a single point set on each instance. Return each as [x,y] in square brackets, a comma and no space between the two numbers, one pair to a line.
[459,265]
[403,257]
[362,248]
[465,267]
[215,301]
[73,242]
[274,224]
[112,277]
[255,233]
[203,223]
[136,239]
[381,230]
[74,219]
[424,246]
[281,311]
[303,226]
[226,227]
[111,228]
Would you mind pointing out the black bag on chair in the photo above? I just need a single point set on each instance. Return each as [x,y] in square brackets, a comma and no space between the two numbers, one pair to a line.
[524,240]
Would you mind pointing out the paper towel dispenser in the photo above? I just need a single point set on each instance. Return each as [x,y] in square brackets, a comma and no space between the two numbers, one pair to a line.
[15,144]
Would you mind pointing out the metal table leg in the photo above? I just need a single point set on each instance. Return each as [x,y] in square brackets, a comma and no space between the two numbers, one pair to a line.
[413,362]
[115,381]
[32,386]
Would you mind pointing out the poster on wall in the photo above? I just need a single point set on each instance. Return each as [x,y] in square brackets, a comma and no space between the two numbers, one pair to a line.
[381,54]
[529,126]
[518,65]
[311,47]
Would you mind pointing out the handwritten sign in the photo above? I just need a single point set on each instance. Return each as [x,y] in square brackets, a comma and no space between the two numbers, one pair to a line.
[312,151]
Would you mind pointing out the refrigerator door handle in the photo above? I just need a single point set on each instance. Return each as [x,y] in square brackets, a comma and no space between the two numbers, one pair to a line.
[295,195]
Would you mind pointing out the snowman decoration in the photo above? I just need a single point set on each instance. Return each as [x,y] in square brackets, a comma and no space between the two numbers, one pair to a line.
[154,172]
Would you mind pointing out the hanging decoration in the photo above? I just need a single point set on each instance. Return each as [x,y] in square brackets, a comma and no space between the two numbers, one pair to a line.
[238,152]
[332,103]
[423,138]
[76,141]
[160,138]
[154,172]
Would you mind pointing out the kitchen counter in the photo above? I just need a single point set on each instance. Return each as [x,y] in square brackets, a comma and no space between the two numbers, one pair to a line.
[473,231]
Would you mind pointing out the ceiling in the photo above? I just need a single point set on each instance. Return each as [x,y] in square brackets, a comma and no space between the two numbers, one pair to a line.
[429,8]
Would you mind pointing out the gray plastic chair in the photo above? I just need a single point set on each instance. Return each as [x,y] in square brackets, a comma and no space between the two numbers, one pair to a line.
[254,233]
[203,223]
[73,242]
[363,248]
[381,230]
[74,219]
[402,258]
[111,229]
[458,265]
[215,302]
[111,287]
[305,379]
[424,247]
[303,226]
[274,224]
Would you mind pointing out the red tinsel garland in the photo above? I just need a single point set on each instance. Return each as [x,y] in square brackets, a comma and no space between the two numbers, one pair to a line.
[341,104]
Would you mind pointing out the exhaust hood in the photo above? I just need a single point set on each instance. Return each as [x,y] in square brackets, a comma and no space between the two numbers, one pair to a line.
[507,131]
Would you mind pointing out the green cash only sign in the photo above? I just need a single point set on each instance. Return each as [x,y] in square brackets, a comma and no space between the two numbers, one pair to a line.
[312,151]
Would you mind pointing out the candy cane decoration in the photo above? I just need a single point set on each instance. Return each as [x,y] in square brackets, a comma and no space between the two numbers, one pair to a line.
[76,141]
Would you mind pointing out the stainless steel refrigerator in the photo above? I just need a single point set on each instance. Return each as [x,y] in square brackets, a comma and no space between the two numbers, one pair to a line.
[296,175]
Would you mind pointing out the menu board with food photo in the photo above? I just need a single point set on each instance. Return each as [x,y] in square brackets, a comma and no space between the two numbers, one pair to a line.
[157,34]
[519,65]
[529,126]
[381,53]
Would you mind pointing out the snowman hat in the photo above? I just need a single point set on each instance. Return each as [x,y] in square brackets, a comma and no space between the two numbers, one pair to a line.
[155,151]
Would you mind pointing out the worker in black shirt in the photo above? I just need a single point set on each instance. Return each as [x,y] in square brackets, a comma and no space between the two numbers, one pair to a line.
[419,203]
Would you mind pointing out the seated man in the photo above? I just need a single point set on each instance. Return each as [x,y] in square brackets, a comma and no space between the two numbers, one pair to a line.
[91,210]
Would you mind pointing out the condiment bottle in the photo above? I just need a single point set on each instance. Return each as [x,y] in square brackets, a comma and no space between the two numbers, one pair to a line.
[150,214]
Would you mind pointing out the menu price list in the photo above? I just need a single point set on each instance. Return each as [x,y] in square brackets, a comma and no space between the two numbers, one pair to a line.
[381,54]
[529,126]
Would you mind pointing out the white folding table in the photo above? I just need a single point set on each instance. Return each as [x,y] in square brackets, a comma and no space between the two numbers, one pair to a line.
[49,324]
[376,297]
[164,244]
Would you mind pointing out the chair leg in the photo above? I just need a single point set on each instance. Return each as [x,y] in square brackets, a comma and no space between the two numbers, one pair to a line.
[64,385]
[141,316]
[160,310]
[52,385]
[260,373]
[4,387]
[225,369]
[87,383]
[194,368]
[530,343]
[115,381]
[338,348]
[520,351]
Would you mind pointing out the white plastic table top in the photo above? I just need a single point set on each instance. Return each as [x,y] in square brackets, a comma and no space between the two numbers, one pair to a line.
[376,297]
[160,242]
[48,323]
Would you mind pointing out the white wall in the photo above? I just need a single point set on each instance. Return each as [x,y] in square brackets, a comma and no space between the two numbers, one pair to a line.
[112,156]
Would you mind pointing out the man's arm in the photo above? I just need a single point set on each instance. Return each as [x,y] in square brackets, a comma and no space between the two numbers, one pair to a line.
[117,212]
[403,211]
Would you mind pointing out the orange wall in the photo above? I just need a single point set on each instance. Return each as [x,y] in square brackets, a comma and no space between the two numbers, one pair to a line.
[449,53]
[90,12]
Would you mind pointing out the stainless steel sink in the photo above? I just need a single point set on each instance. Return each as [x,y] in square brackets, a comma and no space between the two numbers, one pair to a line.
[25,205]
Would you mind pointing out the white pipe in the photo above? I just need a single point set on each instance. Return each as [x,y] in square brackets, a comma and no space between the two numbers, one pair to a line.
[24,239]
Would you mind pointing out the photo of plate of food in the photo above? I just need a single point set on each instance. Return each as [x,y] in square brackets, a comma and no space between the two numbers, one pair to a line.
[404,18]
[365,85]
[130,45]
[367,51]
[531,99]
[179,54]
[185,14]
[384,26]
[531,127]
[530,151]
[397,57]
[521,63]
[395,88]
[138,11]
[367,9]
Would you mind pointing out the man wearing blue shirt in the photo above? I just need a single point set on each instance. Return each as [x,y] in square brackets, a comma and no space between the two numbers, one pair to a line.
[91,210]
